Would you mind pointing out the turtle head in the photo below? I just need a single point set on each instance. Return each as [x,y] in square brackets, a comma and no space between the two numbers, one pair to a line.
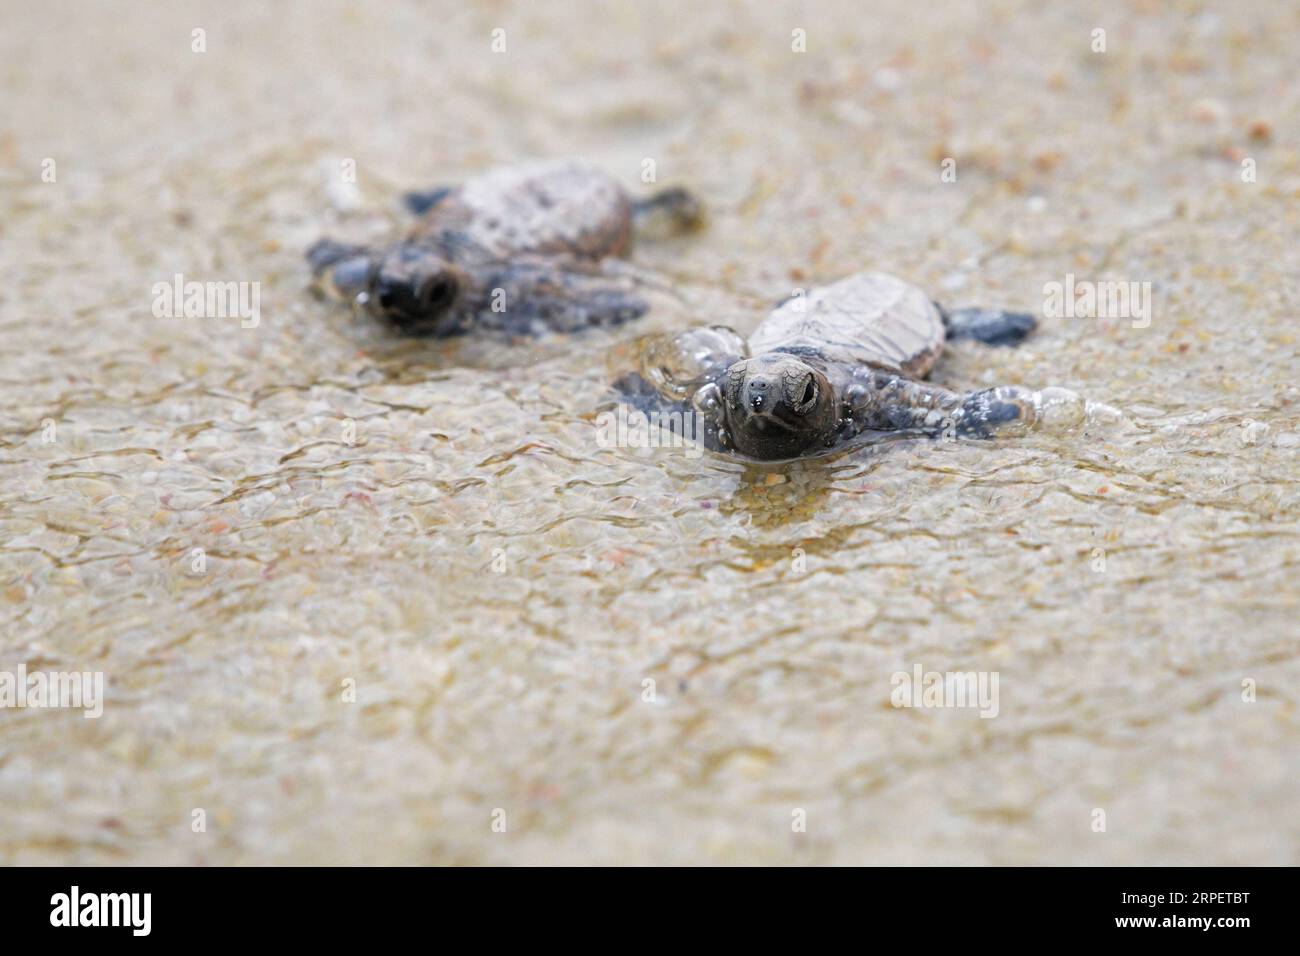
[411,287]
[414,289]
[776,406]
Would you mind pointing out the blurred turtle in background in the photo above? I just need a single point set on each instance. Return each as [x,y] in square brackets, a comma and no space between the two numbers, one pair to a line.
[523,249]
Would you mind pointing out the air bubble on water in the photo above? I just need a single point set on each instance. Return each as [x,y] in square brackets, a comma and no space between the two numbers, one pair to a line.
[1059,407]
[255,506]
[1062,408]
[1099,413]
[888,79]
[675,364]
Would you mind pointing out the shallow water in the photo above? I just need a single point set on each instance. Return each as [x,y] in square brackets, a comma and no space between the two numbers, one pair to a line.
[436,521]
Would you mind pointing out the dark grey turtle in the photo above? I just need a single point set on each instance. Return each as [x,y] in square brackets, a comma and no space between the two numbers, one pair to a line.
[521,249]
[825,367]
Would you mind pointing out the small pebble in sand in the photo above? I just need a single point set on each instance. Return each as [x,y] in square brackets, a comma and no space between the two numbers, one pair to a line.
[1209,111]
[888,79]
[1047,161]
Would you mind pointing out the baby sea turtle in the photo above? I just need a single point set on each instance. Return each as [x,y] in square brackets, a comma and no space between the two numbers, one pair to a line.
[523,249]
[827,366]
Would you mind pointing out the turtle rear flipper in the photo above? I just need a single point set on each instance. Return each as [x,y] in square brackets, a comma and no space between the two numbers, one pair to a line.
[990,326]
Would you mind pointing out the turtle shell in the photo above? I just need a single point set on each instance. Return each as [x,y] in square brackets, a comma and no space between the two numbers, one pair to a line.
[866,319]
[548,208]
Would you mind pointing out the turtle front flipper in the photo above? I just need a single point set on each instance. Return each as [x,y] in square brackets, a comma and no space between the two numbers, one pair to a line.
[984,412]
[642,406]
[535,295]
[677,382]
[881,401]
[990,326]
[339,269]
[884,401]
[1051,409]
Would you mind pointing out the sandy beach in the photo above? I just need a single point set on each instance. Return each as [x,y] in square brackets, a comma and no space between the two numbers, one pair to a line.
[361,599]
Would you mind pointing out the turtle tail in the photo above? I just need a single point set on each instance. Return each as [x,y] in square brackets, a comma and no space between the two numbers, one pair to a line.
[990,326]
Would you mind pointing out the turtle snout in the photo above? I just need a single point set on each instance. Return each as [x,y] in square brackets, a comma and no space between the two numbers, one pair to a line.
[395,294]
[757,395]
[414,302]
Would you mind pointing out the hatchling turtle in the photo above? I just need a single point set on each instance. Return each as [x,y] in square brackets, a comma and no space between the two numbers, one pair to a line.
[827,366]
[522,249]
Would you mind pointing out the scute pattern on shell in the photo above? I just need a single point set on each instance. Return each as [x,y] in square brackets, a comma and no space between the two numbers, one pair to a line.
[868,318]
[547,208]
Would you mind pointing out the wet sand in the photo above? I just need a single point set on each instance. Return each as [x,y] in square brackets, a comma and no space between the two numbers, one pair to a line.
[436,526]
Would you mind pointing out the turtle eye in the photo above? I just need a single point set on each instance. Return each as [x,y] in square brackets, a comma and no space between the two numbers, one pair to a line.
[807,393]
